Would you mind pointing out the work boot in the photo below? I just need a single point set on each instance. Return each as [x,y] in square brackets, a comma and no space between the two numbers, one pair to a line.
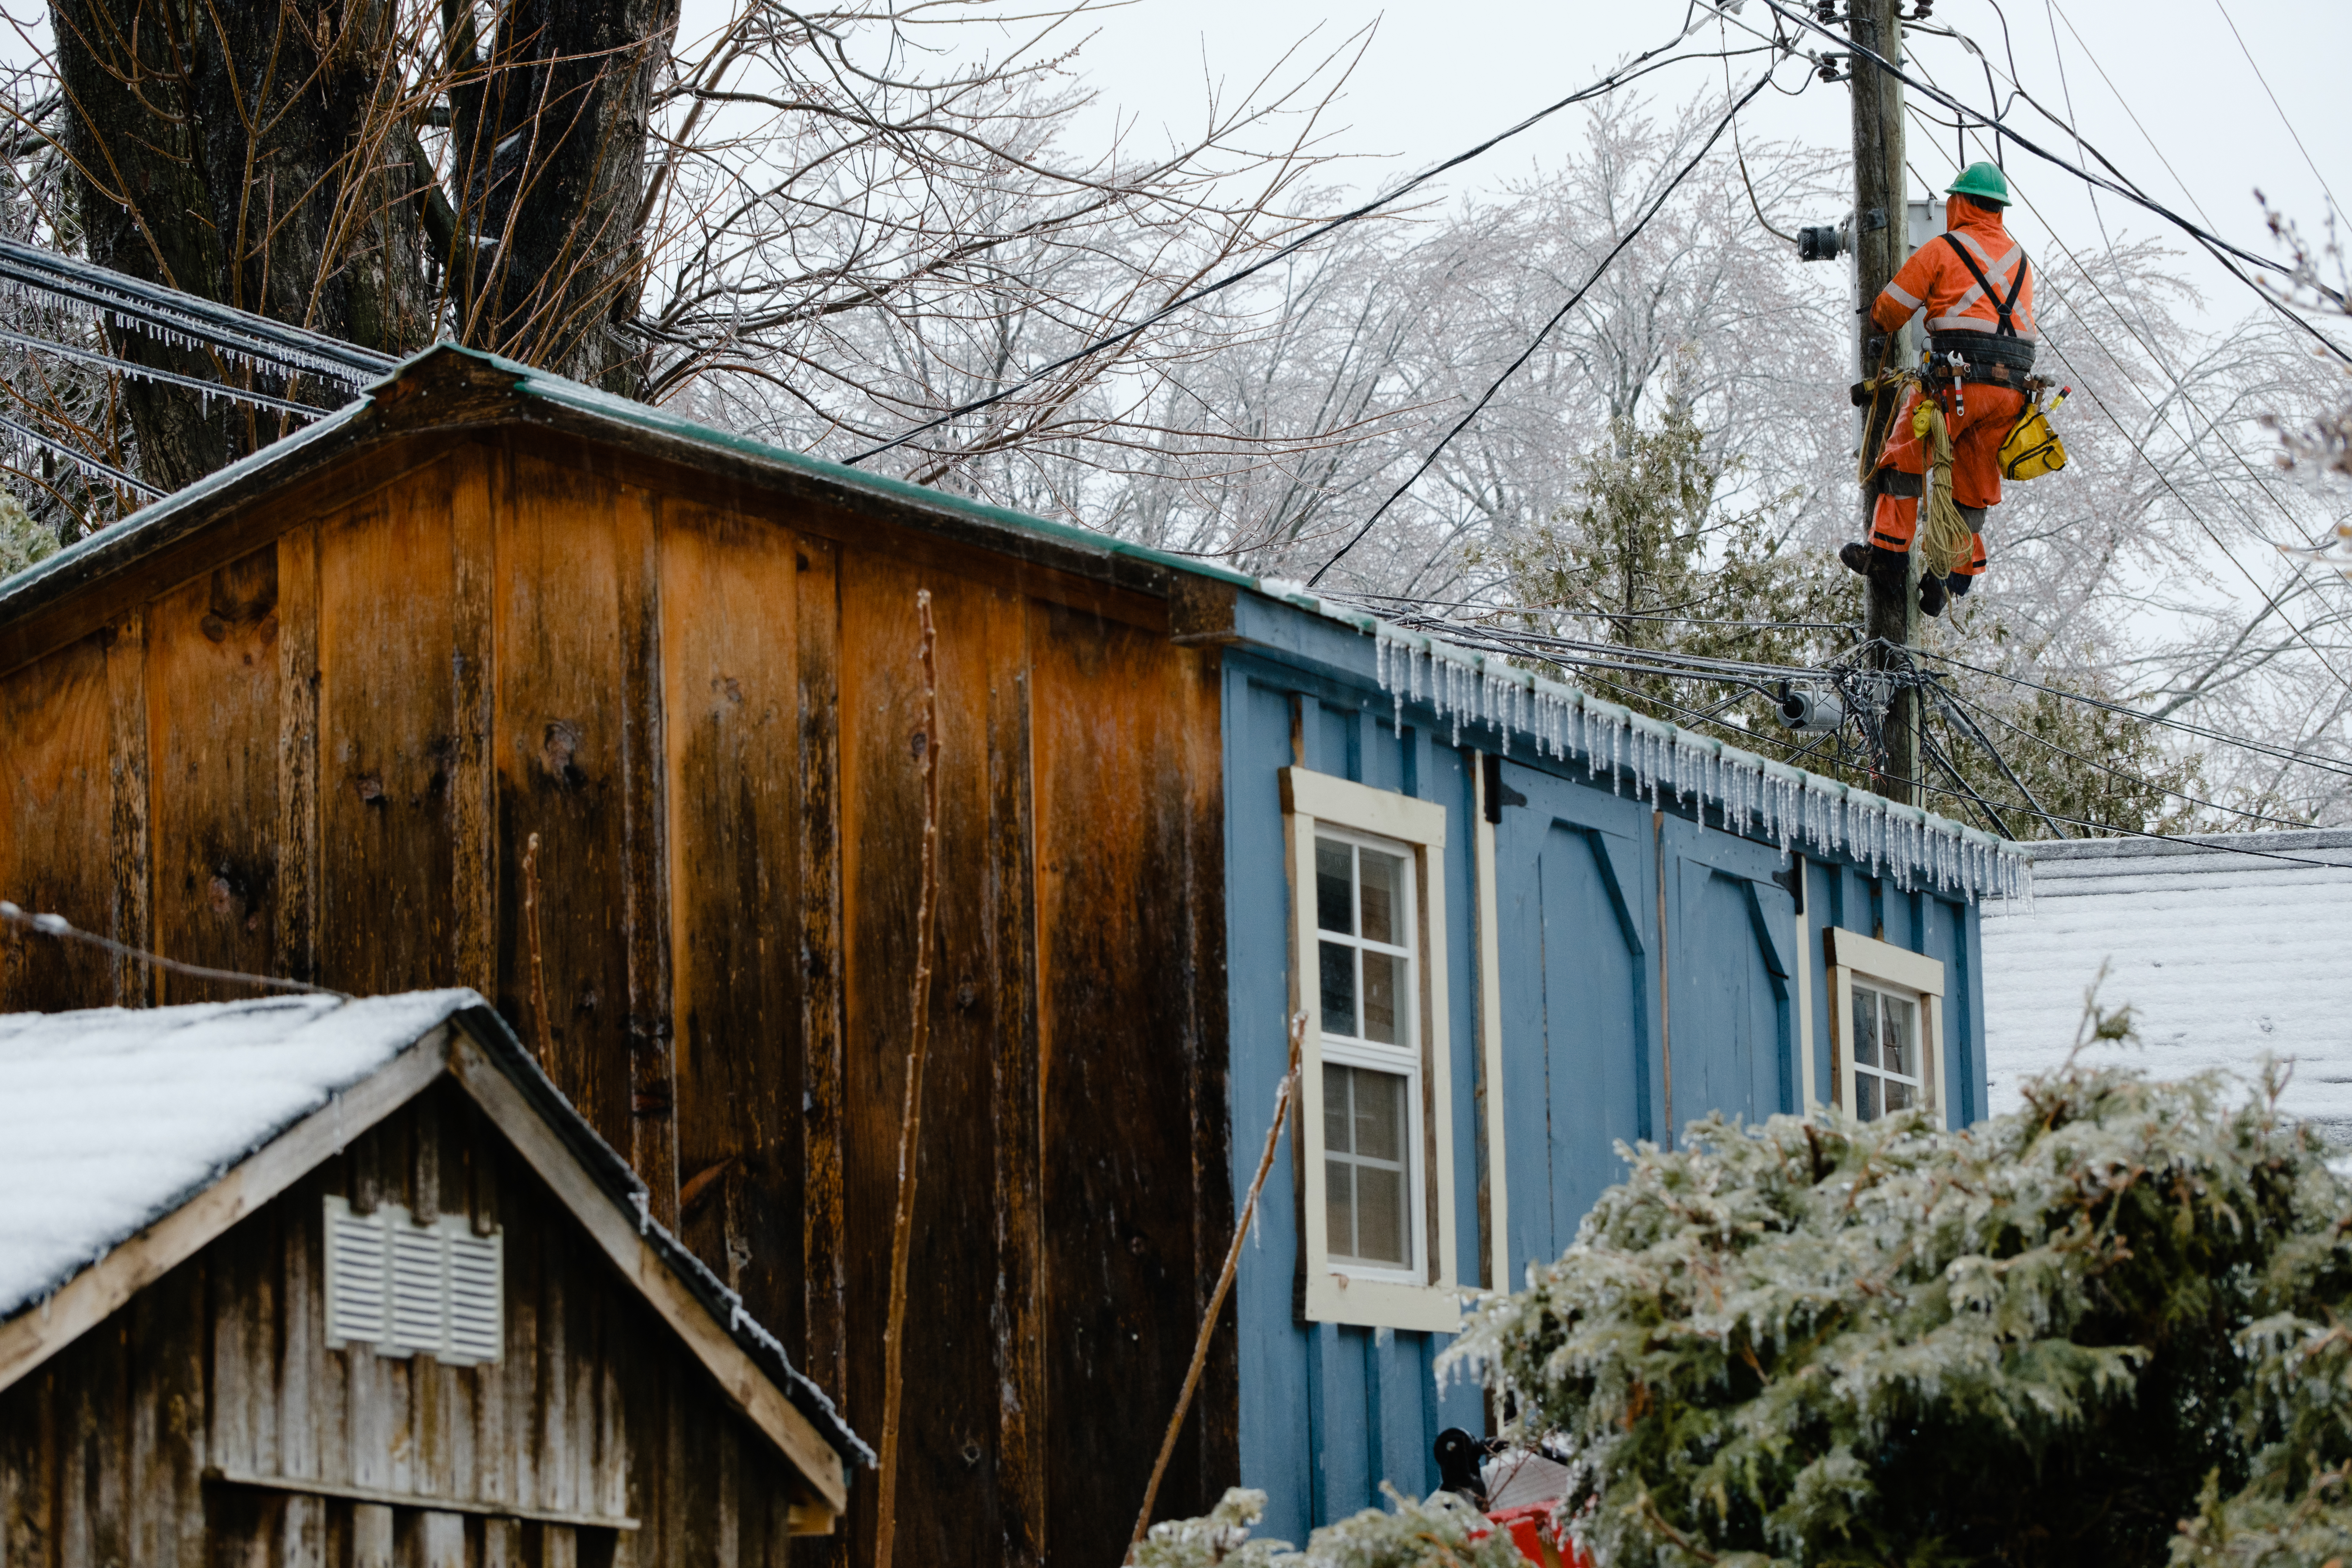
[1960,584]
[1871,560]
[1932,595]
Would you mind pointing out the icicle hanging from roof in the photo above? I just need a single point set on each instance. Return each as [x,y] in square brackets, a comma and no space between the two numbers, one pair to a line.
[1796,810]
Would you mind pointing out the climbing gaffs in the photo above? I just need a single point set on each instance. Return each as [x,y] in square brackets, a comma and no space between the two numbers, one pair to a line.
[1972,413]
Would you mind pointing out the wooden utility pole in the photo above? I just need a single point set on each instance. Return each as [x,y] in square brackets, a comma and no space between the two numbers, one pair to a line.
[1881,244]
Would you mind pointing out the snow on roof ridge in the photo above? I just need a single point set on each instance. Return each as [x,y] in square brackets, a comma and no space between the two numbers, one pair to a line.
[2294,840]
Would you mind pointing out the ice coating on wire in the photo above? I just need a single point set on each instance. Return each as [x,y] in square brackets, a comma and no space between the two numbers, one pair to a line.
[1785,806]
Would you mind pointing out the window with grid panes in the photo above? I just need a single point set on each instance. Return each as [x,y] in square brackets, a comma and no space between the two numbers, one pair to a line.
[1886,1052]
[1366,927]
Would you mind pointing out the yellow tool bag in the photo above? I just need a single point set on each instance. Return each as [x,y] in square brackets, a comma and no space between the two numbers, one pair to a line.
[2033,448]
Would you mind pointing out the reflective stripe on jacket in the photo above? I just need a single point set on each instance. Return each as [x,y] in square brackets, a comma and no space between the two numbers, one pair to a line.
[1940,282]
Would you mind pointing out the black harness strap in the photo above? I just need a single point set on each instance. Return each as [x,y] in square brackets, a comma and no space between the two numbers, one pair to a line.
[2008,326]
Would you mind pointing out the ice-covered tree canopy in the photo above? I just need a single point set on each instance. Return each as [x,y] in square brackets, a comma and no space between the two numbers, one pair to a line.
[2052,1338]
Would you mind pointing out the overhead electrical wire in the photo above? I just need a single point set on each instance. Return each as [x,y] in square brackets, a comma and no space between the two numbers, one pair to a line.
[2124,773]
[2308,161]
[172,316]
[2202,732]
[1640,65]
[80,459]
[1371,598]
[2191,841]
[2125,189]
[1558,316]
[2190,445]
[172,378]
[1597,661]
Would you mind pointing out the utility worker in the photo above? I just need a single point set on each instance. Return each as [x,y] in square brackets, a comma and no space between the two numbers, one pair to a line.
[1977,289]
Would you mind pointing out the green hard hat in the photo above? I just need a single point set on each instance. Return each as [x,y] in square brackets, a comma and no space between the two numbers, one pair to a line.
[1980,180]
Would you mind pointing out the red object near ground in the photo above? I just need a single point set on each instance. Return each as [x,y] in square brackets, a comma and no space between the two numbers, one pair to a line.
[1532,1532]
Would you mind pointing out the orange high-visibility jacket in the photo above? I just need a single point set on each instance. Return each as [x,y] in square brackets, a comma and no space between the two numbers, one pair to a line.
[1937,279]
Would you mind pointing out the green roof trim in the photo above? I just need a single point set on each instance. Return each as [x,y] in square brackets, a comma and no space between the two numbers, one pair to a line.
[169,518]
[649,416]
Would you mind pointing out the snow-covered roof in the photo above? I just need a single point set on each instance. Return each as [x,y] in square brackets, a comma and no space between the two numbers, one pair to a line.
[2226,947]
[111,1119]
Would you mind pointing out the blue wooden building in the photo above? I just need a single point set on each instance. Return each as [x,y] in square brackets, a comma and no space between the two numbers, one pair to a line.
[1621,927]
[310,717]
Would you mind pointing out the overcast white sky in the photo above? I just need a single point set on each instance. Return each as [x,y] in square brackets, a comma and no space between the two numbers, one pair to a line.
[1439,74]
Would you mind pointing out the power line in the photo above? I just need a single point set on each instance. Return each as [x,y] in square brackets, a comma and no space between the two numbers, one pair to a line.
[2194,843]
[2273,97]
[173,317]
[64,930]
[1594,615]
[1596,658]
[80,458]
[1557,317]
[2123,773]
[2127,190]
[149,373]
[2324,765]
[1631,70]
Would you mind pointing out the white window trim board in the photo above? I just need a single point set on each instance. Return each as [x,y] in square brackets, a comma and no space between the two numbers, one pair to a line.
[1490,1036]
[1853,956]
[1334,1296]
[1806,1099]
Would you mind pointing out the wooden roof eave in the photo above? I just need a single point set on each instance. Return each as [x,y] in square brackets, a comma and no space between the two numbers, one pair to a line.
[477,1050]
[449,390]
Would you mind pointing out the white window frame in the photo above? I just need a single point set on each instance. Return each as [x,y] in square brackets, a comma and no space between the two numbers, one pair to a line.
[1427,1296]
[1403,1059]
[1883,966]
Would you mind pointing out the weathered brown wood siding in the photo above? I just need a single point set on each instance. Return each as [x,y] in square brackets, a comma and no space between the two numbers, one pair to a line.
[324,753]
[185,1429]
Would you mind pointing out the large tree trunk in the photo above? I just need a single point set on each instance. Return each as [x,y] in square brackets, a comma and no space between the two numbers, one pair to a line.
[551,127]
[266,156]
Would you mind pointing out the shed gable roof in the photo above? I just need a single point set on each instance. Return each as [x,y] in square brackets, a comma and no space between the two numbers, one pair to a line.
[449,388]
[130,1139]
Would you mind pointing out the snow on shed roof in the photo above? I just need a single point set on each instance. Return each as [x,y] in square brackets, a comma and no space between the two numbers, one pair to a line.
[2225,947]
[111,1118]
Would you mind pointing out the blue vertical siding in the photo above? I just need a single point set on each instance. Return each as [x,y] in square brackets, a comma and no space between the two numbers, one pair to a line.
[1576,920]
[1328,1412]
[1652,967]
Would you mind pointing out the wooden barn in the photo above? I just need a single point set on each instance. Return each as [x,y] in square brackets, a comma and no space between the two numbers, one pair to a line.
[305,718]
[309,1282]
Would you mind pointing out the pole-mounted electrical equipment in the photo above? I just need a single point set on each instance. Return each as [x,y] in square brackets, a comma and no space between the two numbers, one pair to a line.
[1809,710]
[1825,241]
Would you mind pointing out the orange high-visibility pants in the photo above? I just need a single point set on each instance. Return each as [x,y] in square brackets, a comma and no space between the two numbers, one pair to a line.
[1975,564]
[1986,414]
[1898,519]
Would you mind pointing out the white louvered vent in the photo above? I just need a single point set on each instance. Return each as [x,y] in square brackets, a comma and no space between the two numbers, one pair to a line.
[407,1289]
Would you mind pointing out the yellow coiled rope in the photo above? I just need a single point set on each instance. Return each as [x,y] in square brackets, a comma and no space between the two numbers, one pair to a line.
[1947,543]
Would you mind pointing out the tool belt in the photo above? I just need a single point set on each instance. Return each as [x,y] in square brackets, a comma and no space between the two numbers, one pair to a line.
[1985,352]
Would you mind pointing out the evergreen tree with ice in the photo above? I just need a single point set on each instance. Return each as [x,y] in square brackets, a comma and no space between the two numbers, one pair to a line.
[2113,1327]
[2104,1328]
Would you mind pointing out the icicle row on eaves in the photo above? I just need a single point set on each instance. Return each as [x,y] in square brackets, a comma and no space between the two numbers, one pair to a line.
[1801,810]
